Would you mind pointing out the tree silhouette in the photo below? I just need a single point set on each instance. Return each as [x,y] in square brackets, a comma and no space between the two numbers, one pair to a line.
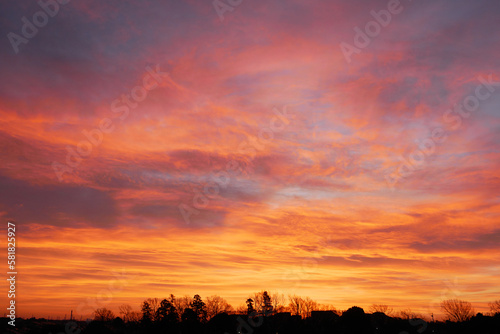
[173,302]
[166,313]
[352,321]
[216,305]
[278,302]
[407,314]
[495,307]
[241,309]
[328,307]
[309,305]
[302,306]
[125,312]
[296,305]
[154,304]
[103,314]
[354,312]
[382,308]
[181,303]
[457,310]
[258,301]
[189,316]
[355,320]
[147,313]
[267,307]
[199,308]
[250,308]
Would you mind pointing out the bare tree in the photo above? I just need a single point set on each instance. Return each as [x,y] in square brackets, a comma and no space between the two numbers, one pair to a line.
[381,308]
[266,301]
[126,312]
[103,314]
[278,301]
[457,310]
[302,306]
[181,304]
[495,307]
[216,305]
[258,301]
[154,304]
[135,316]
[242,309]
[309,306]
[296,305]
[407,314]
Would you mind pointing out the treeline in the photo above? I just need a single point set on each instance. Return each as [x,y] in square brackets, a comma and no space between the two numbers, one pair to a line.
[177,309]
[172,309]
[266,313]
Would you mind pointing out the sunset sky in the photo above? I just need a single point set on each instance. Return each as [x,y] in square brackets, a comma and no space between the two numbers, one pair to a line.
[158,147]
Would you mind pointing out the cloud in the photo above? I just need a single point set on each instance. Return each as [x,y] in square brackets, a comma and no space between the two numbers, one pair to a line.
[58,205]
[483,242]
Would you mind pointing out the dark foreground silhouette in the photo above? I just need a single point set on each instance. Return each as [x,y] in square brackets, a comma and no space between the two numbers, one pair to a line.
[352,321]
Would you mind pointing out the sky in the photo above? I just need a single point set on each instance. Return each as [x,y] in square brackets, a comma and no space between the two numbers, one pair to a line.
[342,150]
